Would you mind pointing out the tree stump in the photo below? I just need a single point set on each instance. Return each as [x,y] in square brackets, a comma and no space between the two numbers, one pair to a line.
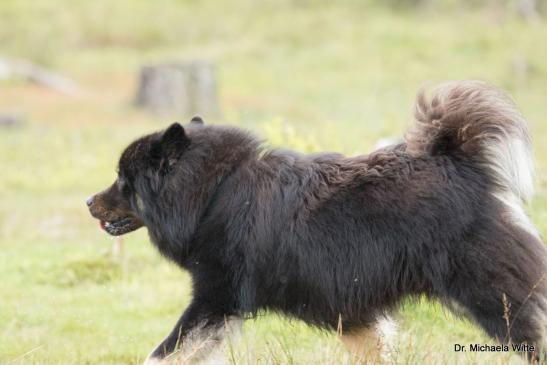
[179,89]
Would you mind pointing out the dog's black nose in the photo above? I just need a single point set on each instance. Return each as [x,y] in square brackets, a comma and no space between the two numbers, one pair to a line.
[89,201]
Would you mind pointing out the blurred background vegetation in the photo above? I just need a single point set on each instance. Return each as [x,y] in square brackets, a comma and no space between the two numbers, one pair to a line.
[304,74]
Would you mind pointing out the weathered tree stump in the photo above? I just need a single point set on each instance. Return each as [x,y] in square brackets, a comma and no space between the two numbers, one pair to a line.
[179,89]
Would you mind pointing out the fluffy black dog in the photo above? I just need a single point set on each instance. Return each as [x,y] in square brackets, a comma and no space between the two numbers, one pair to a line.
[339,241]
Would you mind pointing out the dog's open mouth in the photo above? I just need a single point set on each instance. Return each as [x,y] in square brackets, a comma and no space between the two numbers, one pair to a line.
[120,226]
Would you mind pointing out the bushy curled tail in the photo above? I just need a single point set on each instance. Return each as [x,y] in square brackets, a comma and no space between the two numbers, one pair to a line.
[481,123]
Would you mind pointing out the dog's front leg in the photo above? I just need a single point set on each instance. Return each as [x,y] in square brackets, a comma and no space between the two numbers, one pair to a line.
[198,331]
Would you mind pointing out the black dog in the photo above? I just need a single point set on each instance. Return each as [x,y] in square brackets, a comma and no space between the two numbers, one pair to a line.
[339,241]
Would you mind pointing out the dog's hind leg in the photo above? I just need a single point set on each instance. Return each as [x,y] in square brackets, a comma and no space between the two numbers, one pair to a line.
[372,344]
[500,281]
[513,322]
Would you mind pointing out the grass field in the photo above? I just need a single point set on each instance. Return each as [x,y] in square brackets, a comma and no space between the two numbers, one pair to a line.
[302,74]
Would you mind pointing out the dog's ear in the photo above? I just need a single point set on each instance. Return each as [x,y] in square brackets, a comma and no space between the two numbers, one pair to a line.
[170,146]
[197,120]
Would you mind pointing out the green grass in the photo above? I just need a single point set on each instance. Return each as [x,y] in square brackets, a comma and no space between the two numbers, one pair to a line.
[302,74]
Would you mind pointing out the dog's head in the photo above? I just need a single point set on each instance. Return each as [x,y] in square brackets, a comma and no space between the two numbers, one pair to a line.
[144,162]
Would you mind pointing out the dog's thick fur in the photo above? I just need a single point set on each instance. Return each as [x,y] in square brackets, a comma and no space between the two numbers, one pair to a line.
[340,241]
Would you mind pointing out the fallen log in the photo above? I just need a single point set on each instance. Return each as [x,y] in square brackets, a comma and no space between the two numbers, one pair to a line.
[37,74]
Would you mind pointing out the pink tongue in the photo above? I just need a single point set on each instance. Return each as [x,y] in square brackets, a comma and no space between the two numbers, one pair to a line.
[101,224]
